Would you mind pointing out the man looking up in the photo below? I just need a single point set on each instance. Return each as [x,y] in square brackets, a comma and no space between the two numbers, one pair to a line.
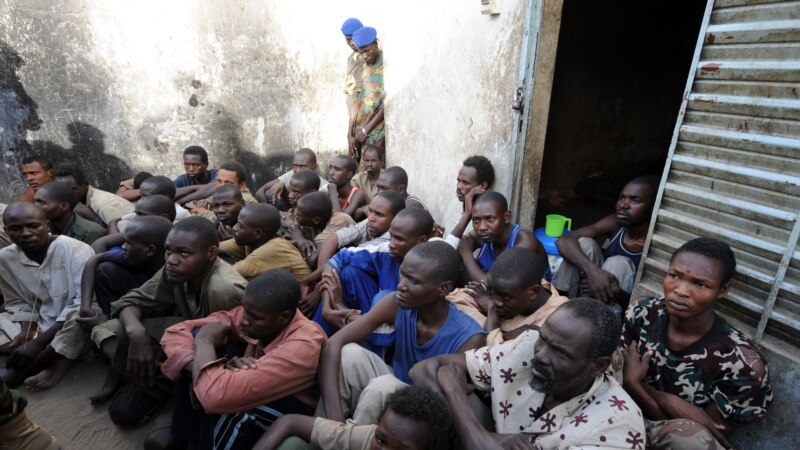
[366,115]
[560,399]
[37,171]
[269,367]
[493,233]
[193,283]
[344,196]
[695,376]
[304,159]
[96,205]
[195,162]
[475,177]
[257,247]
[57,200]
[426,325]
[608,274]
[40,278]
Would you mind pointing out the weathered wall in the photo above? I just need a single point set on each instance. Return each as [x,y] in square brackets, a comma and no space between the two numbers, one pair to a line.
[451,81]
[125,86]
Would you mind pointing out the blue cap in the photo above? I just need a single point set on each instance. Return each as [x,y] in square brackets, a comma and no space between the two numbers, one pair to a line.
[350,26]
[365,36]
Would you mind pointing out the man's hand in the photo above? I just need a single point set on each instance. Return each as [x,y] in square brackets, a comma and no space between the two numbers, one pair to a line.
[142,358]
[225,232]
[27,334]
[214,333]
[85,212]
[237,363]
[438,230]
[480,292]
[515,442]
[450,376]
[601,283]
[513,334]
[351,145]
[287,220]
[309,302]
[472,195]
[274,193]
[635,367]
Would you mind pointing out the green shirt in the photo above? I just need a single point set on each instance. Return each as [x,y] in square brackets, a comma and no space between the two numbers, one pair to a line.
[83,230]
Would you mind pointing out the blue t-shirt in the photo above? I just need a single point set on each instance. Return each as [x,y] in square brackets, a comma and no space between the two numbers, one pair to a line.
[118,256]
[455,331]
[487,255]
[184,180]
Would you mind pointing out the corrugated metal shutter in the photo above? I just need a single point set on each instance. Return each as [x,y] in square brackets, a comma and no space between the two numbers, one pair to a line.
[734,167]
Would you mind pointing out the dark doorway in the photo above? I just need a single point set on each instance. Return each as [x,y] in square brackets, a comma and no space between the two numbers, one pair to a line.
[621,69]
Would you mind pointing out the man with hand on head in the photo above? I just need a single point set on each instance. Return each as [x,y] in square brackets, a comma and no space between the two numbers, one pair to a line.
[315,221]
[273,191]
[475,177]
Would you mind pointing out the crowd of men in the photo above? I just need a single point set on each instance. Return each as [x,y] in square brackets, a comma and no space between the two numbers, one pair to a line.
[338,313]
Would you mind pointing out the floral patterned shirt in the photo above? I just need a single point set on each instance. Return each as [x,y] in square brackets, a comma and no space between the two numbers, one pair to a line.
[603,417]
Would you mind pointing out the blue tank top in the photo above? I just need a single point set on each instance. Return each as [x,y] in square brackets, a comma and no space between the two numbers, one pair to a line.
[617,248]
[455,331]
[487,256]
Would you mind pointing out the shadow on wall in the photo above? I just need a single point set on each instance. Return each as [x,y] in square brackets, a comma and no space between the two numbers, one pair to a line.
[18,115]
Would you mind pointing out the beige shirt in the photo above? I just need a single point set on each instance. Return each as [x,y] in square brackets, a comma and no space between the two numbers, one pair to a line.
[330,435]
[605,416]
[361,180]
[339,220]
[323,183]
[107,205]
[277,253]
[43,293]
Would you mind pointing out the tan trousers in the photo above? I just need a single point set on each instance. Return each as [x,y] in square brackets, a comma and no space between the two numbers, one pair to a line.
[571,279]
[20,433]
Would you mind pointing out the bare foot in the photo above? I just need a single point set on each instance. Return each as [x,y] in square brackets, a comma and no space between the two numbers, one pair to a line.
[49,377]
[113,382]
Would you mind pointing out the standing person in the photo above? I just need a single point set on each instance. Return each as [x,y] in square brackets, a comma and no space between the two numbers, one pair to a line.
[608,274]
[96,205]
[37,172]
[195,162]
[366,114]
[695,376]
[57,200]
[354,61]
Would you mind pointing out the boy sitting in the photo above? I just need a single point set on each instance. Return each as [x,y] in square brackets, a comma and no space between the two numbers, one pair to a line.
[344,196]
[269,369]
[493,233]
[58,200]
[413,418]
[315,220]
[426,325]
[257,247]
[695,376]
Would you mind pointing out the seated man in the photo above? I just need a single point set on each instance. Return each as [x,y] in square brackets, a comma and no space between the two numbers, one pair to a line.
[72,341]
[345,197]
[57,200]
[475,177]
[40,279]
[111,274]
[367,181]
[492,234]
[195,162]
[129,189]
[413,418]
[511,300]
[227,202]
[364,272]
[154,185]
[151,205]
[695,376]
[560,399]
[95,205]
[608,274]
[370,232]
[197,198]
[192,284]
[270,368]
[314,222]
[302,183]
[37,171]
[257,247]
[395,179]
[17,431]
[427,325]
[304,159]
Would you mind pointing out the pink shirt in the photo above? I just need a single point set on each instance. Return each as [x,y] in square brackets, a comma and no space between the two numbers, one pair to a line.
[287,366]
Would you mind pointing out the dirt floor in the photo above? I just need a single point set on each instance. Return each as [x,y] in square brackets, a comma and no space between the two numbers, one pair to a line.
[66,413]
